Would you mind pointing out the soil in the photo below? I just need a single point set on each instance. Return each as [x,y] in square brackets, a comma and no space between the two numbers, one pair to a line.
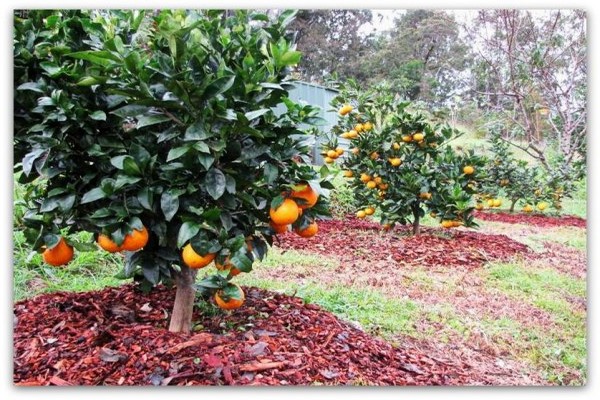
[545,221]
[118,336]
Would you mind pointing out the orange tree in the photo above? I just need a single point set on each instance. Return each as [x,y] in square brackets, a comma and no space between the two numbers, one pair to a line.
[170,135]
[514,179]
[401,164]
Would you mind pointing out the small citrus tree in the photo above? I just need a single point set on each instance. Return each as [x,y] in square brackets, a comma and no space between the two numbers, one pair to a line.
[170,135]
[400,164]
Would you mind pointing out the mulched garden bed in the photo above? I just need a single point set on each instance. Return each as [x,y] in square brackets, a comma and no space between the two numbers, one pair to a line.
[434,247]
[544,221]
[118,336]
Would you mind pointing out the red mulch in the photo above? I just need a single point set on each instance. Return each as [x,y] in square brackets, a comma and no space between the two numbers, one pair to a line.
[118,336]
[544,221]
[434,247]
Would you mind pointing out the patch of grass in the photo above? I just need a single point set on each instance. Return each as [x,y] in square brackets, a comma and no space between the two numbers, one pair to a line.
[551,347]
[566,235]
[277,257]
[373,311]
[87,271]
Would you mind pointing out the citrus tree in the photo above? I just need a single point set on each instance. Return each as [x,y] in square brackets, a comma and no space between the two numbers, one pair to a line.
[170,135]
[401,164]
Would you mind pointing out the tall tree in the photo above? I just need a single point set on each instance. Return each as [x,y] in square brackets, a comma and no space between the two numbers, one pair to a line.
[422,57]
[533,73]
[330,42]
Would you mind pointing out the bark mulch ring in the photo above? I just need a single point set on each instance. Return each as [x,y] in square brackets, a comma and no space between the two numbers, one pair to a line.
[434,247]
[544,221]
[118,336]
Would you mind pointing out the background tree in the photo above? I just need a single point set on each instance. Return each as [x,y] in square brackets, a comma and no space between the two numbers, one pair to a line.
[422,57]
[533,75]
[158,132]
[330,42]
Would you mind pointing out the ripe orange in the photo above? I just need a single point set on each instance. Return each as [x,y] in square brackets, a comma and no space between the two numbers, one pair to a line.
[339,151]
[396,146]
[332,154]
[345,135]
[135,240]
[365,178]
[107,244]
[418,137]
[346,109]
[348,174]
[369,211]
[195,260]
[542,206]
[286,213]
[479,206]
[371,184]
[490,203]
[328,160]
[359,128]
[447,223]
[406,138]
[309,231]
[378,180]
[527,208]
[395,161]
[361,214]
[352,134]
[229,303]
[279,228]
[425,195]
[468,169]
[497,202]
[307,194]
[367,126]
[60,254]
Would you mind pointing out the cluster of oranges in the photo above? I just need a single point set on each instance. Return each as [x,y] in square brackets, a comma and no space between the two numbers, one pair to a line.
[289,211]
[374,182]
[367,211]
[332,155]
[417,138]
[63,252]
[451,223]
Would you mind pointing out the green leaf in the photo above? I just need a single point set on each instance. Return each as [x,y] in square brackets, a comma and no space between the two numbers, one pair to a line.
[230,184]
[255,114]
[177,152]
[103,58]
[271,173]
[201,147]
[30,158]
[241,261]
[52,69]
[188,230]
[30,86]
[276,202]
[197,131]
[145,197]
[169,204]
[151,272]
[290,58]
[93,195]
[226,220]
[206,160]
[131,110]
[51,240]
[88,81]
[219,86]
[215,183]
[98,116]
[130,167]
[149,120]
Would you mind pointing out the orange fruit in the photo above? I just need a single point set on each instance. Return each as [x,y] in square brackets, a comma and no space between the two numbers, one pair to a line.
[328,160]
[468,169]
[490,203]
[497,202]
[309,231]
[479,206]
[447,223]
[406,138]
[396,146]
[221,267]
[425,195]
[367,126]
[60,254]
[395,161]
[346,109]
[378,180]
[369,211]
[348,174]
[135,240]
[345,135]
[374,155]
[285,214]
[418,137]
[361,214]
[371,184]
[542,206]
[352,134]
[527,208]
[307,194]
[195,260]
[279,228]
[107,244]
[339,151]
[365,178]
[359,128]
[332,154]
[229,303]
[387,227]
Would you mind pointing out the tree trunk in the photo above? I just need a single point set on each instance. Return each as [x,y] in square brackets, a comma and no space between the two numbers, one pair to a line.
[416,227]
[181,317]
[512,205]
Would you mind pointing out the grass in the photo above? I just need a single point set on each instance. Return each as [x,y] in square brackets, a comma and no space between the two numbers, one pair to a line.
[550,347]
